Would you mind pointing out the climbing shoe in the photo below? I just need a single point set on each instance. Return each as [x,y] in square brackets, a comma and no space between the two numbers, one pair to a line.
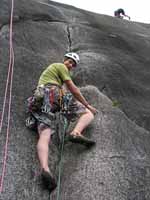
[81,140]
[48,181]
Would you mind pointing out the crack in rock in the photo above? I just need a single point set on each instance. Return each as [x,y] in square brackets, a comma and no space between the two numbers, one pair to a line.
[69,38]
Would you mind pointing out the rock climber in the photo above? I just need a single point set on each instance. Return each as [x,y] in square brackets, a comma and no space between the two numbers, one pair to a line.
[50,90]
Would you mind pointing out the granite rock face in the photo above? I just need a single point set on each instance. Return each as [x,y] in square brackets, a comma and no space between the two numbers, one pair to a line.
[114,76]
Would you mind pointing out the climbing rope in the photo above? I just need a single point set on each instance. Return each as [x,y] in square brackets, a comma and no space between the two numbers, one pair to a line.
[63,124]
[62,132]
[7,87]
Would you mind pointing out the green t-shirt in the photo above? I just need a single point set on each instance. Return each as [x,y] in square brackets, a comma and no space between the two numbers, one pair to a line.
[55,73]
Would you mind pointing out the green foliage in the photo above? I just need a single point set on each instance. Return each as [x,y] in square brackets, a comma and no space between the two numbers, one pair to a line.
[115,103]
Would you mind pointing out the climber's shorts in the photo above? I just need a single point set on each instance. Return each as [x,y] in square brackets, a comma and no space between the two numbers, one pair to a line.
[75,110]
[56,101]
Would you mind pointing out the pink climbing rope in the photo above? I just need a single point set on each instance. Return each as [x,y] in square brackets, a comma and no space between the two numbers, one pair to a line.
[9,79]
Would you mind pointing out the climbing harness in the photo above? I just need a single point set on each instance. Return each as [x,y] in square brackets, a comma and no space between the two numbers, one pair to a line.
[44,103]
[8,86]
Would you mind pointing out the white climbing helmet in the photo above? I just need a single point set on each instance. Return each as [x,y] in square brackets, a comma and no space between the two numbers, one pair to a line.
[73,56]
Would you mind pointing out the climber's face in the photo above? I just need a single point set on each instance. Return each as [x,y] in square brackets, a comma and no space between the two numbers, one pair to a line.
[70,64]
